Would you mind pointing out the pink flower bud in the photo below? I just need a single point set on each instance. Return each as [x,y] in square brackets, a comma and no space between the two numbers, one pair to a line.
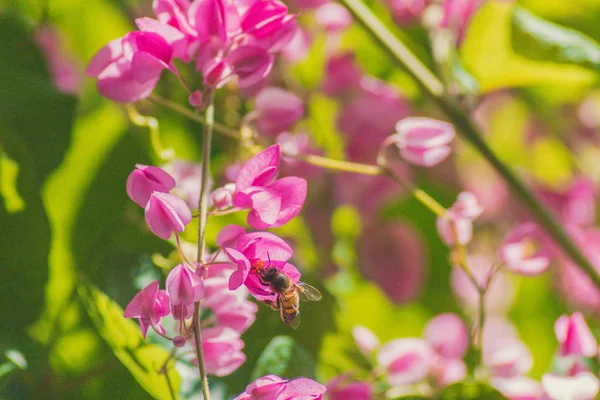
[583,386]
[195,99]
[333,17]
[278,110]
[574,336]
[448,335]
[144,180]
[222,197]
[523,250]
[453,228]
[366,340]
[467,206]
[179,341]
[166,214]
[457,15]
[423,141]
[149,306]
[251,64]
[518,388]
[184,288]
[341,74]
[405,360]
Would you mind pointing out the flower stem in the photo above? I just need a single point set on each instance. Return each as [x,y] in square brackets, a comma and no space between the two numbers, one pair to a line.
[202,218]
[434,87]
[152,124]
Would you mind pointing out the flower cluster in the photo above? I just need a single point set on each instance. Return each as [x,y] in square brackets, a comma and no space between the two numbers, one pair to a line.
[223,39]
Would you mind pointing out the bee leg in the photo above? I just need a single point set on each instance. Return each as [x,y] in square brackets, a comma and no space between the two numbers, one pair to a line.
[273,304]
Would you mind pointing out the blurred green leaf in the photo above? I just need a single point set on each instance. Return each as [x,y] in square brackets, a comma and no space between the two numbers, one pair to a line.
[551,162]
[346,222]
[144,361]
[322,125]
[309,72]
[541,40]
[9,171]
[488,55]
[470,391]
[35,127]
[285,358]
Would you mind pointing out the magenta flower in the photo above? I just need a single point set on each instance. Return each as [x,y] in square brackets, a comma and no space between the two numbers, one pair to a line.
[253,252]
[341,74]
[129,68]
[583,386]
[524,251]
[447,335]
[405,360]
[333,17]
[184,288]
[423,141]
[273,387]
[144,180]
[149,306]
[366,341]
[574,336]
[222,198]
[272,202]
[277,110]
[341,388]
[457,15]
[166,214]
[222,348]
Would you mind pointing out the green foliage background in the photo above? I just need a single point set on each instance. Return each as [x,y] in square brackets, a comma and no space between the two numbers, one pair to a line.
[72,243]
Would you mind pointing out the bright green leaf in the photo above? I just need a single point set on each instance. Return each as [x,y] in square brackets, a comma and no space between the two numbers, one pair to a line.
[9,170]
[285,358]
[469,391]
[551,162]
[144,361]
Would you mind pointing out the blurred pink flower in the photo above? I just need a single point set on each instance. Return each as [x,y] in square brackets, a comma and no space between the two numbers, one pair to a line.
[405,360]
[423,141]
[391,255]
[63,69]
[446,371]
[518,388]
[341,74]
[272,202]
[407,12]
[341,388]
[366,341]
[149,306]
[583,386]
[333,17]
[222,197]
[184,288]
[499,295]
[166,214]
[222,348]
[273,387]
[188,176]
[144,180]
[525,250]
[297,49]
[457,224]
[574,336]
[277,110]
[504,354]
[447,335]
[457,15]
[576,205]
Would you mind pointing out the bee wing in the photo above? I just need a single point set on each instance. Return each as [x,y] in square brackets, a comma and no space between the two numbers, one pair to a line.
[307,292]
[295,323]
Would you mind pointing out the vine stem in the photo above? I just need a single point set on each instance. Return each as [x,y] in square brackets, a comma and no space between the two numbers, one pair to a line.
[202,218]
[435,88]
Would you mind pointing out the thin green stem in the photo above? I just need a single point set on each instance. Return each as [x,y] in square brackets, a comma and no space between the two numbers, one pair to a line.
[164,371]
[202,218]
[152,124]
[434,87]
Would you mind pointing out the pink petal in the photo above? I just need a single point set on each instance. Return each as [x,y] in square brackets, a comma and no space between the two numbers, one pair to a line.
[292,191]
[105,56]
[425,157]
[448,335]
[117,83]
[238,277]
[264,245]
[229,235]
[366,340]
[253,171]
[250,64]
[421,132]
[264,203]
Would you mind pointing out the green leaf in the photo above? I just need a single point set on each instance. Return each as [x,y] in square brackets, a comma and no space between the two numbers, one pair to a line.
[35,127]
[470,391]
[487,54]
[285,358]
[144,361]
[538,39]
[322,126]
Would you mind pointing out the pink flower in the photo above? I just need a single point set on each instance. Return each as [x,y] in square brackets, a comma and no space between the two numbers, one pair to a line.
[255,251]
[188,176]
[297,49]
[523,251]
[423,141]
[277,110]
[583,386]
[366,340]
[184,288]
[446,371]
[457,15]
[231,309]
[166,214]
[222,348]
[273,387]
[447,335]
[251,64]
[230,235]
[503,352]
[574,336]
[405,360]
[457,224]
[518,388]
[341,74]
[149,306]
[61,65]
[272,202]
[129,68]
[144,180]
[576,204]
[222,197]
[340,388]
[333,17]
[407,12]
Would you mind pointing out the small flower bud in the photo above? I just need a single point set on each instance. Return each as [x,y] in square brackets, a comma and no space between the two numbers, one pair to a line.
[366,340]
[166,214]
[195,99]
[423,141]
[144,180]
[179,341]
[574,336]
[222,197]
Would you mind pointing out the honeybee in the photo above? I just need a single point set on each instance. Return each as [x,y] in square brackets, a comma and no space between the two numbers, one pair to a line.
[288,294]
